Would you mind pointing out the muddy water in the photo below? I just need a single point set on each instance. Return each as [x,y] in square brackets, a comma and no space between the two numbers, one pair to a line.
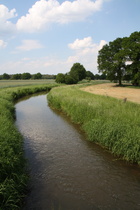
[68,172]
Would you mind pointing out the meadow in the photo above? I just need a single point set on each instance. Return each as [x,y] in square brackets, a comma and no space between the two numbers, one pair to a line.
[13,175]
[110,122]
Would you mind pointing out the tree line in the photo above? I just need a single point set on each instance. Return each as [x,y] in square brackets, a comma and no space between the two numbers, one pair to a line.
[26,76]
[120,59]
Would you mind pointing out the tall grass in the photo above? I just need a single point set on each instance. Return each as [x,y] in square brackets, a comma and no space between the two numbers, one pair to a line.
[107,121]
[13,176]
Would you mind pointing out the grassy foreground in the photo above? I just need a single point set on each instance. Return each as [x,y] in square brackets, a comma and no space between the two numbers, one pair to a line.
[107,121]
[13,177]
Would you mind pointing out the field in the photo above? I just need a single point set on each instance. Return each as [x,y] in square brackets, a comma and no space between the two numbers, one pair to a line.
[16,83]
[110,89]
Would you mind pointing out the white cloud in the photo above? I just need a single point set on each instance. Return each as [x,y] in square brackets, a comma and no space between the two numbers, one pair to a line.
[2,44]
[45,12]
[85,52]
[80,44]
[6,27]
[28,45]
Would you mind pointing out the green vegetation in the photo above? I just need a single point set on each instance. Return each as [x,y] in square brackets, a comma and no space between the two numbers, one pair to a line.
[77,73]
[110,122]
[120,59]
[26,76]
[16,83]
[13,176]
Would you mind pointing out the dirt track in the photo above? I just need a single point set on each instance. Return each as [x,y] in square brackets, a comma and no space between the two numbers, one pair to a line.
[110,89]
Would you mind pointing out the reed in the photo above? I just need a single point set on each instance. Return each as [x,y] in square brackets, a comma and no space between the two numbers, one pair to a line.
[107,121]
[13,175]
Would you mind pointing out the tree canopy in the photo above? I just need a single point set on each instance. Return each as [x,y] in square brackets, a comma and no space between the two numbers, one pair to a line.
[121,59]
[76,74]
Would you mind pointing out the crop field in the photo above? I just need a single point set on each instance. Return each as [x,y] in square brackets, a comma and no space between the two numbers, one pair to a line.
[110,89]
[16,83]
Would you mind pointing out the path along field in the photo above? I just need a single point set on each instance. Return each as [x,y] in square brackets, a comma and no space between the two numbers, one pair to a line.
[110,89]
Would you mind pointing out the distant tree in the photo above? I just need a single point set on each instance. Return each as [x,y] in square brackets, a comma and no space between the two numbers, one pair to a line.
[60,78]
[77,72]
[16,76]
[111,60]
[5,76]
[97,76]
[90,75]
[37,76]
[26,76]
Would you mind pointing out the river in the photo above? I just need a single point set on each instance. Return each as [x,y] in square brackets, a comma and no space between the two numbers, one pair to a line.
[67,172]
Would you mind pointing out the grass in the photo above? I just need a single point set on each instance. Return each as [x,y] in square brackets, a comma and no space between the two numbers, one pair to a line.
[13,176]
[107,121]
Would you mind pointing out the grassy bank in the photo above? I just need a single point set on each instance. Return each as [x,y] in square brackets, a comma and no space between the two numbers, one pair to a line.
[107,121]
[13,176]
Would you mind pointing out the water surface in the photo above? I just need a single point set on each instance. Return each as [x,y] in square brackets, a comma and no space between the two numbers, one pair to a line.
[67,171]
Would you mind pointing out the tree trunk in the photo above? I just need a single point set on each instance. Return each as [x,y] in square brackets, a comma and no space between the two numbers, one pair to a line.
[120,82]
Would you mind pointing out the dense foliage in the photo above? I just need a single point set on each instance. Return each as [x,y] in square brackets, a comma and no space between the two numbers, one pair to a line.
[120,59]
[110,122]
[76,74]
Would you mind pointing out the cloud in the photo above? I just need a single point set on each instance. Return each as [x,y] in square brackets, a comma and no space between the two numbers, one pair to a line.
[28,45]
[80,44]
[3,44]
[86,52]
[43,13]
[6,27]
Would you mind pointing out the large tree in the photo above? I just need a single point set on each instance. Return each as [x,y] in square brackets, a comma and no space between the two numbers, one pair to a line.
[111,60]
[131,47]
[77,72]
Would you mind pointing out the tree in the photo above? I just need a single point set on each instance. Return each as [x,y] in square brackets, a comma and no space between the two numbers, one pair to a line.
[77,72]
[111,60]
[132,56]
[5,76]
[69,79]
[60,78]
[26,76]
[37,76]
[16,76]
[90,75]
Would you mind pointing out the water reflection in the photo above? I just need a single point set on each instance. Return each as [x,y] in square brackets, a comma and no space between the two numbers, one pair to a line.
[67,172]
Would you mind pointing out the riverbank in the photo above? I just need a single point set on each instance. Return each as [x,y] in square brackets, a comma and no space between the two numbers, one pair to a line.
[13,176]
[112,123]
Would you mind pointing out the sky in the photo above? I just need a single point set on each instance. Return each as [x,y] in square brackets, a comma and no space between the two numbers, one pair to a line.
[49,36]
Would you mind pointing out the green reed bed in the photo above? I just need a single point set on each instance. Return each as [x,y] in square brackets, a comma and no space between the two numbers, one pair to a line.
[110,122]
[13,176]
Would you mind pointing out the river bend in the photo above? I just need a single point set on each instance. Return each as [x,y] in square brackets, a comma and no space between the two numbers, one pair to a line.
[67,172]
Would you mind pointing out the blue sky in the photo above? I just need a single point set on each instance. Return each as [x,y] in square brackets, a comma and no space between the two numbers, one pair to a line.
[49,36]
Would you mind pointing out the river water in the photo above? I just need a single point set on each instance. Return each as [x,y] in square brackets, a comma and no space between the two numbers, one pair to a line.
[67,172]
